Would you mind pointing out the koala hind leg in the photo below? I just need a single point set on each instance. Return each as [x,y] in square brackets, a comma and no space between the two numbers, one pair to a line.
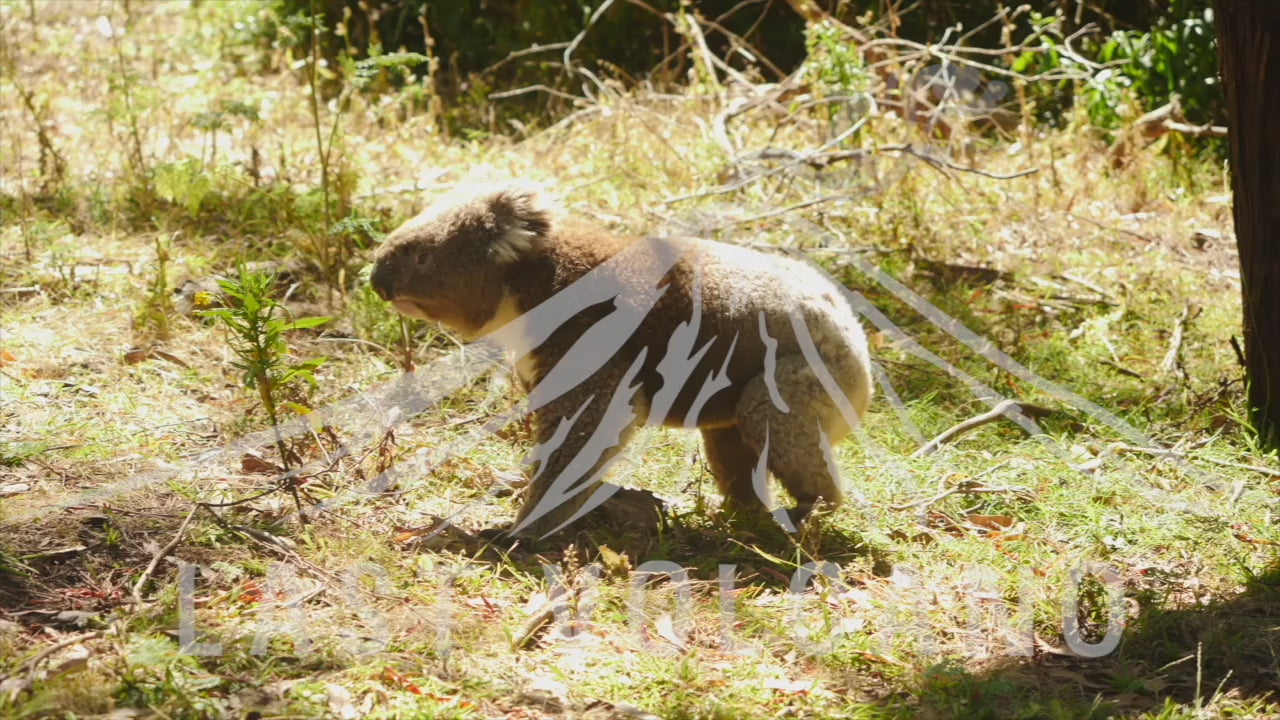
[578,435]
[733,463]
[799,436]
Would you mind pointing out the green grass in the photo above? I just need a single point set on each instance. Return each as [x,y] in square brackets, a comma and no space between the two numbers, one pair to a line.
[1099,262]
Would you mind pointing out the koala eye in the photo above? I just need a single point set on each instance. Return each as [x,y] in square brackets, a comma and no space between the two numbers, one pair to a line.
[422,258]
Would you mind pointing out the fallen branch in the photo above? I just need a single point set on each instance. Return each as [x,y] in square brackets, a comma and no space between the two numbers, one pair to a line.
[1208,130]
[1167,453]
[535,88]
[940,162]
[785,210]
[29,667]
[995,413]
[140,585]
[967,487]
[821,160]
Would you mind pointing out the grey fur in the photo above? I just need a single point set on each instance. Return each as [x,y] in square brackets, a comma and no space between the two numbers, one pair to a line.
[757,351]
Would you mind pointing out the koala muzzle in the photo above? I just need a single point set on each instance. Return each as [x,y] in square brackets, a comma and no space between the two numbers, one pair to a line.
[381,280]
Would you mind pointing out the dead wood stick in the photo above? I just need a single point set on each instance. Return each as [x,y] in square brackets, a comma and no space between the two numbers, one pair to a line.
[787,209]
[31,665]
[1167,453]
[968,487]
[573,44]
[995,413]
[541,617]
[1175,342]
[140,585]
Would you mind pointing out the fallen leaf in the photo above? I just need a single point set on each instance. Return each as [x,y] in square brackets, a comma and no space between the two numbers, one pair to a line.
[666,629]
[392,677]
[992,522]
[251,463]
[170,357]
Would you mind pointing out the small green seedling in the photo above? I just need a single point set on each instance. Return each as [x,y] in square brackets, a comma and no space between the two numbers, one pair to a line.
[256,324]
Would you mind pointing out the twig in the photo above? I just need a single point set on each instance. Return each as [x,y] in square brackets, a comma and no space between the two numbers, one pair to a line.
[968,487]
[785,210]
[140,585]
[1121,369]
[1175,343]
[535,88]
[1167,453]
[1088,285]
[30,666]
[531,50]
[819,160]
[943,162]
[995,413]
[241,501]
[744,47]
[1209,130]
[701,52]
[541,617]
[1104,226]
[573,44]
[1235,345]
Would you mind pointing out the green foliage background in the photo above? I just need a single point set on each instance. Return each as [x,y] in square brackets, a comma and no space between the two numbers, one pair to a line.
[1158,48]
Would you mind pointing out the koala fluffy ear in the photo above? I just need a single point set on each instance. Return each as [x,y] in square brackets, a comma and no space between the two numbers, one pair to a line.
[522,216]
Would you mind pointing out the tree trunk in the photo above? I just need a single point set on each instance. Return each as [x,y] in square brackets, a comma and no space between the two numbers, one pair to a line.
[1249,56]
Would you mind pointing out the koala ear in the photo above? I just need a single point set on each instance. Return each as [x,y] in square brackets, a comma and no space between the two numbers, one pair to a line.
[523,215]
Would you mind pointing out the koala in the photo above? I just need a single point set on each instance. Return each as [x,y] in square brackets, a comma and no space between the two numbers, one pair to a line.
[761,353]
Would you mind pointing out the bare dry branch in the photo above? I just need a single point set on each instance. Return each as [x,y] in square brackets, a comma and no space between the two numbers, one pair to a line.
[141,584]
[995,413]
[1167,453]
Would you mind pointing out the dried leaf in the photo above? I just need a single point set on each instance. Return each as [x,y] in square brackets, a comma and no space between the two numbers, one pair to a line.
[666,629]
[391,677]
[251,463]
[992,522]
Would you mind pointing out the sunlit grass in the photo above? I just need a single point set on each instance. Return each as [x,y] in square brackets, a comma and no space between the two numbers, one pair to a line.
[1101,262]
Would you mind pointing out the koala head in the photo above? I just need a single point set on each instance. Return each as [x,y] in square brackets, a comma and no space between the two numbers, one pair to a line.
[448,264]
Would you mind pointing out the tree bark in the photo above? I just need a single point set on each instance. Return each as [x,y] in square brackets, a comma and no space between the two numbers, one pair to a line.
[1249,58]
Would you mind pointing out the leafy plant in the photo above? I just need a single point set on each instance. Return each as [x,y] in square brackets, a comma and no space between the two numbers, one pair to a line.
[1176,58]
[330,250]
[256,325]
[157,308]
[1179,56]
[835,64]
[185,183]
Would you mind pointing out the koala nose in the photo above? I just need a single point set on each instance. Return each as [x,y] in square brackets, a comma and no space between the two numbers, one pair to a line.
[380,279]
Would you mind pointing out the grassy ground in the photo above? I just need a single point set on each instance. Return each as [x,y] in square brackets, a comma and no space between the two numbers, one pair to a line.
[131,163]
